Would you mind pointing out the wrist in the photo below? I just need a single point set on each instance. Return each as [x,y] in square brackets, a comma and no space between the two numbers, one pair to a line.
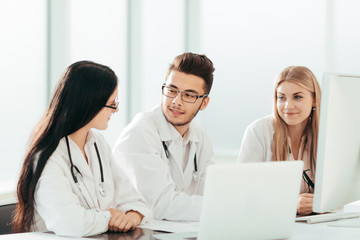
[136,216]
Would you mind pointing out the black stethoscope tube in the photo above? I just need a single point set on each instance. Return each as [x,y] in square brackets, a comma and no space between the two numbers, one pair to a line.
[100,164]
[195,172]
[307,179]
[72,167]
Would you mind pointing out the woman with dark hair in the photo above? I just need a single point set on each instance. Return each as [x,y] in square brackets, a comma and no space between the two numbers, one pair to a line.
[69,182]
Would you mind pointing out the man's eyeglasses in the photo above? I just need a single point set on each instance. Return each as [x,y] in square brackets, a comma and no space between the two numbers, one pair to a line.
[113,105]
[186,96]
[308,180]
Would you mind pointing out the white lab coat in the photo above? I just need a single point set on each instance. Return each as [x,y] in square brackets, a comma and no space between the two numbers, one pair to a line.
[172,192]
[257,145]
[257,141]
[60,206]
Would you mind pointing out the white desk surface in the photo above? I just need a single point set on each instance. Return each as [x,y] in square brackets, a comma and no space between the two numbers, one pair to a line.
[301,231]
[323,231]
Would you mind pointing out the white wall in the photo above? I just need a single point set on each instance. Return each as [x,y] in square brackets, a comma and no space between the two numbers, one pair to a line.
[250,42]
[346,36]
[98,32]
[162,38]
[23,70]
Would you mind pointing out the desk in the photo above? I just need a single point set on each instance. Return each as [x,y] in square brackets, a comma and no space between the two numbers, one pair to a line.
[137,234]
[322,231]
[301,231]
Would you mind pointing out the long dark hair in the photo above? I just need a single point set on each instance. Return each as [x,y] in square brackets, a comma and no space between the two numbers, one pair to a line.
[80,94]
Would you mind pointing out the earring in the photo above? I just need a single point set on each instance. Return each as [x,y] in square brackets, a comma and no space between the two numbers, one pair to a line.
[311,114]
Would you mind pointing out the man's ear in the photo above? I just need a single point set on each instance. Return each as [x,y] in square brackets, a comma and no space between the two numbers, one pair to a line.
[205,103]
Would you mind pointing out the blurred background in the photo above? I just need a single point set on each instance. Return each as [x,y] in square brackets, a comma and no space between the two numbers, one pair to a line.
[249,42]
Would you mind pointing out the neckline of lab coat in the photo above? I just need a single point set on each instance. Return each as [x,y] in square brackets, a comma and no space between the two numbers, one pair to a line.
[169,134]
[88,170]
[302,149]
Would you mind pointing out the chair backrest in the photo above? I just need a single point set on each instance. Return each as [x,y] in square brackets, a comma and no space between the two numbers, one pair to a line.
[6,218]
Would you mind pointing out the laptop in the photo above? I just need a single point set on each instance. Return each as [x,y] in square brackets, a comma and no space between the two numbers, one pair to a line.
[250,200]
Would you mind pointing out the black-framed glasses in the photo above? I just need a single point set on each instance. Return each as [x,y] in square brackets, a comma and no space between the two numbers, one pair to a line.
[113,105]
[186,96]
[309,180]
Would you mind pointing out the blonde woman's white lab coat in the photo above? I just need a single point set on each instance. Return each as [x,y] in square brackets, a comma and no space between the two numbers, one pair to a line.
[167,184]
[61,207]
[257,145]
[257,141]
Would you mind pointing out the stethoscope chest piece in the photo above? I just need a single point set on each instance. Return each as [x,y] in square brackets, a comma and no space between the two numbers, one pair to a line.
[195,175]
[102,190]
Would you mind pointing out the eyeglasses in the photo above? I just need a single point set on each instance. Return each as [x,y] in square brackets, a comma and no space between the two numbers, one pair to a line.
[308,180]
[113,105]
[186,96]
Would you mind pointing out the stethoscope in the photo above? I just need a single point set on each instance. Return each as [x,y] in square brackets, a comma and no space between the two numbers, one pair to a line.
[75,172]
[195,172]
[306,177]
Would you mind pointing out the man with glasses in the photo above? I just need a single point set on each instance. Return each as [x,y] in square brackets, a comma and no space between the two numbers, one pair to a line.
[164,153]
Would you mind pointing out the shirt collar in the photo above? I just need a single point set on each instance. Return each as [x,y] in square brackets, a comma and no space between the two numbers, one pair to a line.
[90,138]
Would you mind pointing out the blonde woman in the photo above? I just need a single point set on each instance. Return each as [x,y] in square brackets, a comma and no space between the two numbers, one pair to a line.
[291,133]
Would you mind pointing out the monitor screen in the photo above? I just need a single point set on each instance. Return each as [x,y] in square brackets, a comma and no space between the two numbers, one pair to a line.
[337,179]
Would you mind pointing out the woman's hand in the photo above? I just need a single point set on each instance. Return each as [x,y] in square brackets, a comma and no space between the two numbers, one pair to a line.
[121,222]
[305,204]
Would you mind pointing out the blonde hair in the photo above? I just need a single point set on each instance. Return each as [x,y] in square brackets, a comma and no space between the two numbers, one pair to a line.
[306,79]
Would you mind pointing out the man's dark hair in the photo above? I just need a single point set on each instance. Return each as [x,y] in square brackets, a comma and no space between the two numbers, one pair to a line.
[195,64]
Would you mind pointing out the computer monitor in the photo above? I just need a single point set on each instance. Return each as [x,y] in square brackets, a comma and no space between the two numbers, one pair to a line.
[337,179]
